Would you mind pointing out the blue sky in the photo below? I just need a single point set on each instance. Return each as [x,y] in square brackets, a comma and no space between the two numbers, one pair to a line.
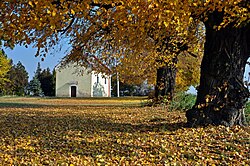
[27,57]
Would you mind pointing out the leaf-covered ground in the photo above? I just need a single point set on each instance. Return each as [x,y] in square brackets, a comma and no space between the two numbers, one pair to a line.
[64,134]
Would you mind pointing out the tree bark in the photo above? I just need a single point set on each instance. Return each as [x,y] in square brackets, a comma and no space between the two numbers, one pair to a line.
[165,82]
[222,95]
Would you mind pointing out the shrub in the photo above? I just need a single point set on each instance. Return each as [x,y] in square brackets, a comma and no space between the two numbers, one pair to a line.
[247,112]
[182,101]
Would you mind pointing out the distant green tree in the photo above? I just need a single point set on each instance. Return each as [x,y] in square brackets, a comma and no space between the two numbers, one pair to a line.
[18,77]
[38,71]
[130,89]
[5,66]
[54,81]
[47,84]
[34,87]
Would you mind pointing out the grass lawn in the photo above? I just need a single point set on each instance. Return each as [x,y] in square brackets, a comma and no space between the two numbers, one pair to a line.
[52,131]
[123,101]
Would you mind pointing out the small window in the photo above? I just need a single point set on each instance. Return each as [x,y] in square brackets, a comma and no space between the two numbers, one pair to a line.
[97,79]
[105,81]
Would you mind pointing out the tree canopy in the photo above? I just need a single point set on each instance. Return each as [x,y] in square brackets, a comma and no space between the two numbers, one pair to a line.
[18,77]
[4,69]
[106,27]
[123,30]
[133,34]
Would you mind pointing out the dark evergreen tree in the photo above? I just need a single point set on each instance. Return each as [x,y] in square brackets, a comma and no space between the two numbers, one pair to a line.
[54,82]
[47,84]
[38,71]
[34,87]
[18,77]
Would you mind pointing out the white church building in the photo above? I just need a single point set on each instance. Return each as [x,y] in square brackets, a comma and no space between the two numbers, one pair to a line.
[74,81]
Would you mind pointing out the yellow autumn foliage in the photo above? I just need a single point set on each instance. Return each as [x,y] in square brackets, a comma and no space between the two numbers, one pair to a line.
[4,69]
[143,32]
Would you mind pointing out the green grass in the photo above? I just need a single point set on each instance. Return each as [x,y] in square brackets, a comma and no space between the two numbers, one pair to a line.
[247,112]
[53,101]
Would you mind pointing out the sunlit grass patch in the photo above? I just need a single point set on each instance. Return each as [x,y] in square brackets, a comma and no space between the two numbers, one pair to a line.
[123,101]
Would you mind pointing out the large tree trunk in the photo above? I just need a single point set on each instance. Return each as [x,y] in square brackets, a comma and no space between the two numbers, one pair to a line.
[222,95]
[165,82]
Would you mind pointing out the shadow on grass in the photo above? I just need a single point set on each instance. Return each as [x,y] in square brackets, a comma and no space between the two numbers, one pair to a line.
[75,135]
[37,105]
[50,122]
[20,105]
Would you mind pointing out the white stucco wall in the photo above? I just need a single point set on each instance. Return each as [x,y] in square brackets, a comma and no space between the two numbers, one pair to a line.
[85,82]
[101,85]
[72,76]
